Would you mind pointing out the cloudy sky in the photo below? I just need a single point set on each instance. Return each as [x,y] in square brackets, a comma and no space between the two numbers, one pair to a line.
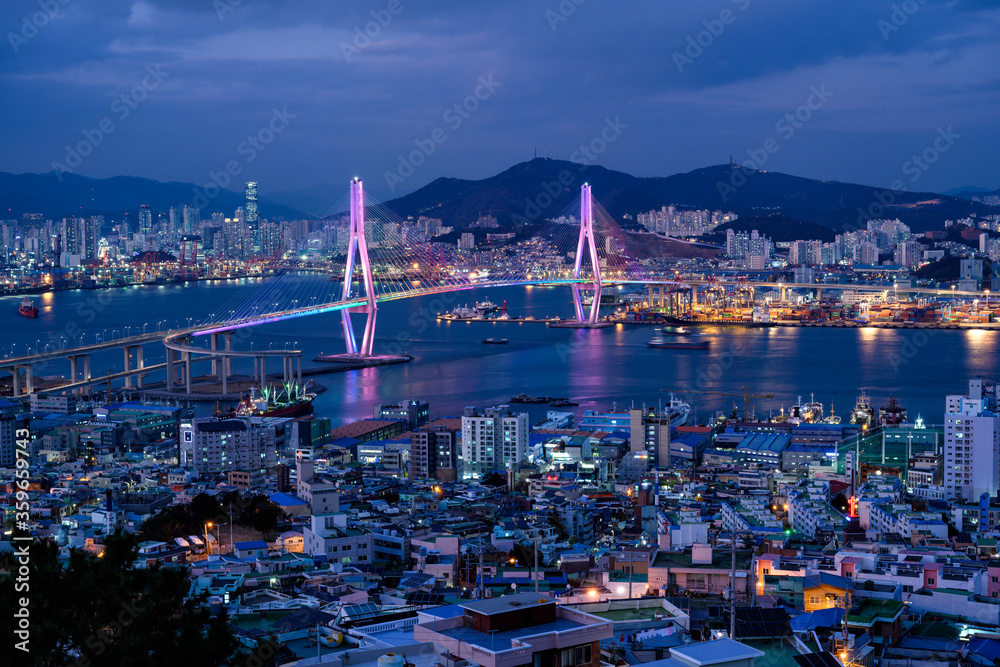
[296,94]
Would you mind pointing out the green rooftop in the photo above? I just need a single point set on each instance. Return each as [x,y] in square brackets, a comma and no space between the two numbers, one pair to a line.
[721,560]
[872,610]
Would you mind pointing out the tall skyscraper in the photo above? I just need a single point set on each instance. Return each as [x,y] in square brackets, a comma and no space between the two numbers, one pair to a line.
[971,445]
[192,216]
[250,191]
[145,219]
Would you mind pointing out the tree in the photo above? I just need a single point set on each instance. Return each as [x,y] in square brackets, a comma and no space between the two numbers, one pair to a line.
[94,610]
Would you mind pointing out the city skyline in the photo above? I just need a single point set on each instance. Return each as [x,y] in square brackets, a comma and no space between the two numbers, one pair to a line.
[305,97]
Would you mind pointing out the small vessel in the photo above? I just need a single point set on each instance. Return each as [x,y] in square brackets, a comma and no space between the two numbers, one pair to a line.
[487,306]
[892,414]
[863,415]
[28,308]
[495,341]
[807,412]
[660,341]
[466,313]
[679,411]
[564,403]
[832,419]
[678,331]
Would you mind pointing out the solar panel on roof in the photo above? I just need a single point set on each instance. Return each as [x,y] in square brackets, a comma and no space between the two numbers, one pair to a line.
[823,659]
[752,622]
[357,610]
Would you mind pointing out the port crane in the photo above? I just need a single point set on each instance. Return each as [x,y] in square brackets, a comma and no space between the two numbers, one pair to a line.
[746,397]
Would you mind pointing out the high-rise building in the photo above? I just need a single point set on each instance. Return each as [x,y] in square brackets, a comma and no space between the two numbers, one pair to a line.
[414,413]
[971,445]
[250,192]
[434,453]
[494,441]
[176,220]
[145,219]
[649,434]
[909,254]
[467,241]
[192,216]
[90,234]
[212,447]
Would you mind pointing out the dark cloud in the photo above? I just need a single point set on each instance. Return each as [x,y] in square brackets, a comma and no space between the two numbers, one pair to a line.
[359,105]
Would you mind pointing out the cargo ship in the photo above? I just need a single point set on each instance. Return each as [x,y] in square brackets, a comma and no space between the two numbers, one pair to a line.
[290,401]
[28,308]
[893,414]
[660,341]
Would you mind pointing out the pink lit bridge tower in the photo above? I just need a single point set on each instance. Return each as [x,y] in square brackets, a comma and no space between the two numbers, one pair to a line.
[587,239]
[357,248]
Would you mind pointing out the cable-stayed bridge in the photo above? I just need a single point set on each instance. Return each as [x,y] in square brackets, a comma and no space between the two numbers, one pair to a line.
[386,259]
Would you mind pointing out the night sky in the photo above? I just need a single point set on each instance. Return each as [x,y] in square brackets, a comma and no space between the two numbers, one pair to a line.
[688,84]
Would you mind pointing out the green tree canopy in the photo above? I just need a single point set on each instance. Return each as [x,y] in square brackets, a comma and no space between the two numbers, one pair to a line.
[91,610]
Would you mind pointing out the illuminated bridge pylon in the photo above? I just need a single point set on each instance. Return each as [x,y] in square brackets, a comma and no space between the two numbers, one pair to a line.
[587,239]
[357,250]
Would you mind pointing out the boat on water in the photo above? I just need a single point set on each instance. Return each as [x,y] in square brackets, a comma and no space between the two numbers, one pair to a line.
[660,341]
[832,419]
[678,331]
[495,341]
[487,306]
[678,410]
[863,415]
[811,412]
[28,308]
[290,401]
[466,313]
[893,414]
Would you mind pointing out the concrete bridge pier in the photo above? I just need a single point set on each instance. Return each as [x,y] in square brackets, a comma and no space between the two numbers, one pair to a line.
[171,360]
[29,380]
[186,356]
[127,353]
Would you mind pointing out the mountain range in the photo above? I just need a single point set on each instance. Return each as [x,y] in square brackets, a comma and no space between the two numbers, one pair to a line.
[525,193]
[544,187]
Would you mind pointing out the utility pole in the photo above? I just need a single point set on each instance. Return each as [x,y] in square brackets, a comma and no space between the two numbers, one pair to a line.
[481,573]
[535,541]
[732,588]
[630,568]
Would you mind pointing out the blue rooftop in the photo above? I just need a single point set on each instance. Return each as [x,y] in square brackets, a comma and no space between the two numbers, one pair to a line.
[285,499]
[765,442]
